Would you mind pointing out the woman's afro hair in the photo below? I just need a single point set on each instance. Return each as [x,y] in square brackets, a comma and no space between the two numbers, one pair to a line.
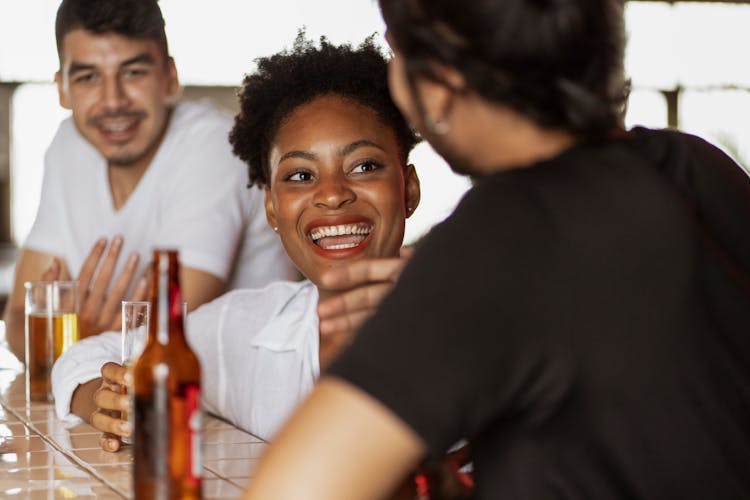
[286,80]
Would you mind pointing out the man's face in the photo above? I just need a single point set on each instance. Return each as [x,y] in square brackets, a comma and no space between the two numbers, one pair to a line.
[119,90]
[338,187]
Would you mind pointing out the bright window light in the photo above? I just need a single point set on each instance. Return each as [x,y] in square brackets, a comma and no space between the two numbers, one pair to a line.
[700,47]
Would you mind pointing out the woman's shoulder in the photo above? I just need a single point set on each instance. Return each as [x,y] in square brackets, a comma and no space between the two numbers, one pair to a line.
[258,302]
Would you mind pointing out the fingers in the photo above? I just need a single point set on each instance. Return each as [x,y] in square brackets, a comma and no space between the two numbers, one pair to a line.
[344,325]
[52,273]
[361,272]
[108,399]
[96,294]
[99,303]
[112,373]
[106,423]
[112,310]
[89,267]
[141,290]
[363,297]
[364,284]
[406,252]
[110,442]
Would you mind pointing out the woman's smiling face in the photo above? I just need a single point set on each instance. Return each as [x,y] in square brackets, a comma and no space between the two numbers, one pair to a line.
[338,187]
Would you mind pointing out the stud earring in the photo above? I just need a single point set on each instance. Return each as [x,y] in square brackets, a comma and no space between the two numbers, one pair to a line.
[438,127]
[276,229]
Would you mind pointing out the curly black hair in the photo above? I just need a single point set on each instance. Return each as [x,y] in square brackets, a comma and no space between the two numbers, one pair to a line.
[287,80]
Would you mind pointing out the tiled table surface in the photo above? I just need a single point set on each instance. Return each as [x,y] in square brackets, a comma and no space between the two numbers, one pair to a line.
[43,457]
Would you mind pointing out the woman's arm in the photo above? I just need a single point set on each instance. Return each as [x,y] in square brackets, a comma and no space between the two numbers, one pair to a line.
[340,444]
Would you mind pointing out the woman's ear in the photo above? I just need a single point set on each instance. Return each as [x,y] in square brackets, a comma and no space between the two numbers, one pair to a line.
[412,192]
[270,212]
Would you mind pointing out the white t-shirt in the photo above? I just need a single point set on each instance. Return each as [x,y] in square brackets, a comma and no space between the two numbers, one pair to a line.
[193,197]
[258,351]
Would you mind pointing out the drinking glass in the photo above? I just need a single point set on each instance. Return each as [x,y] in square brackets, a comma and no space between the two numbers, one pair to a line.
[135,318]
[51,326]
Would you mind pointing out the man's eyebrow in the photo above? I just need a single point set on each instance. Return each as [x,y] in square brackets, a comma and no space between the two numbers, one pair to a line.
[359,144]
[75,67]
[143,58]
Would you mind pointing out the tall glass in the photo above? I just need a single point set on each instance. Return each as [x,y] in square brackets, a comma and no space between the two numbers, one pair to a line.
[51,326]
[135,318]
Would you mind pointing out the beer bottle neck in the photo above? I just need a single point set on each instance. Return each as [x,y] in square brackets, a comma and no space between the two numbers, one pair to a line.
[166,301]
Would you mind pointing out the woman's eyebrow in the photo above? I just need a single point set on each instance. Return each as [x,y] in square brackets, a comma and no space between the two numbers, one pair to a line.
[298,154]
[359,144]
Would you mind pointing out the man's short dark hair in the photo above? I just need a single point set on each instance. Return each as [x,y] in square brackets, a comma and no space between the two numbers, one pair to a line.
[289,79]
[131,18]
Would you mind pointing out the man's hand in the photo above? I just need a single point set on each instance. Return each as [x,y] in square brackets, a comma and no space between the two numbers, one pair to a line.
[362,285]
[100,310]
[110,404]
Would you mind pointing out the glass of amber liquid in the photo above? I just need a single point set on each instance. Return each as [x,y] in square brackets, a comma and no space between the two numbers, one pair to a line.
[135,319]
[51,314]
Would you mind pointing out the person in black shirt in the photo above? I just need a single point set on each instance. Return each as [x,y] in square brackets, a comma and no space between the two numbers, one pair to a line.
[582,319]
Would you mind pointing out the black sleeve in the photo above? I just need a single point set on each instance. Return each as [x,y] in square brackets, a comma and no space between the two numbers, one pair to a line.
[458,342]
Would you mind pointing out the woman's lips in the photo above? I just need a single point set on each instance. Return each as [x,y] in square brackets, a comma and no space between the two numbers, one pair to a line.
[340,240]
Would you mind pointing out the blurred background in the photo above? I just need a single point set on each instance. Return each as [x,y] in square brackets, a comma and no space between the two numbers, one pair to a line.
[687,62]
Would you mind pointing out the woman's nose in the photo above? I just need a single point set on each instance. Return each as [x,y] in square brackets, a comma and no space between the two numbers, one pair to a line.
[334,193]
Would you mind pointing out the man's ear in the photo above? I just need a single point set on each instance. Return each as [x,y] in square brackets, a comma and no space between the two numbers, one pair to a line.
[174,89]
[62,91]
[270,211]
[412,191]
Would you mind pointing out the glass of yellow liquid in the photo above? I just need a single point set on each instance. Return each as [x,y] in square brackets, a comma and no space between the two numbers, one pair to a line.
[51,314]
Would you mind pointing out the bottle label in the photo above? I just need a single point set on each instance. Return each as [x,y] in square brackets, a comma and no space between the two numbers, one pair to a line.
[151,431]
[194,417]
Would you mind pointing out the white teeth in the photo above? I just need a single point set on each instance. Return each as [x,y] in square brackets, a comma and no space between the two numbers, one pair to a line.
[116,127]
[340,230]
[339,247]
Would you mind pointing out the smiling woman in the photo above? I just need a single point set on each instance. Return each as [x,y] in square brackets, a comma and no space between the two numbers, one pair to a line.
[321,135]
[338,185]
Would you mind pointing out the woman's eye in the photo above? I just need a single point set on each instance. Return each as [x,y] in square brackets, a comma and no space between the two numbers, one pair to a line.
[299,177]
[365,166]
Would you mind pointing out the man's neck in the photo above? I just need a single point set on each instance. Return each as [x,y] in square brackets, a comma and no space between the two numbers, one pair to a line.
[123,181]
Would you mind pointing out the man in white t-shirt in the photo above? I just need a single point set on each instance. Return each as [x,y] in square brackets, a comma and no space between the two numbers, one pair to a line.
[131,170]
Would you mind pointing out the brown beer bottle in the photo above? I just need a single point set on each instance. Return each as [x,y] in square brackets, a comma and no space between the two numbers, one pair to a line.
[166,382]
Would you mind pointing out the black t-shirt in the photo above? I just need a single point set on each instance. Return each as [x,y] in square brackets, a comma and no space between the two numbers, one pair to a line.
[584,323]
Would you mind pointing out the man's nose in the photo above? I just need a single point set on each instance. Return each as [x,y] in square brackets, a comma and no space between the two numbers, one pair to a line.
[114,96]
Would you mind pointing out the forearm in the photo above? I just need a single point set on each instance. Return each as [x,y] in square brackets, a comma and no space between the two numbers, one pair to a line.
[14,331]
[82,403]
[374,450]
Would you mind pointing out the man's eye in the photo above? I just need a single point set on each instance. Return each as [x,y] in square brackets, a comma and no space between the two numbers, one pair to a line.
[365,166]
[134,72]
[85,78]
[299,177]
